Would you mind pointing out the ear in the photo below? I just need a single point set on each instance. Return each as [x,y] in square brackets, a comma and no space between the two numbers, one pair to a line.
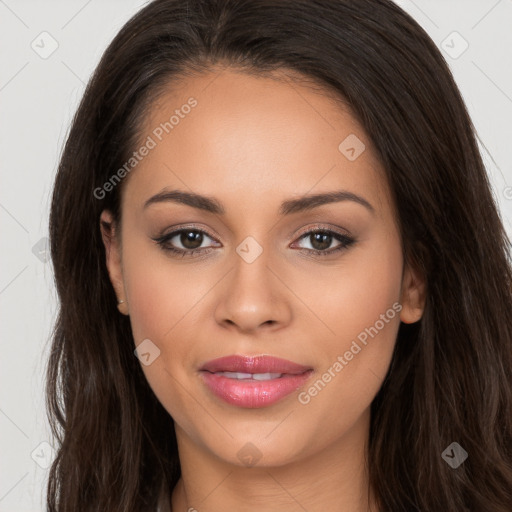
[113,258]
[413,296]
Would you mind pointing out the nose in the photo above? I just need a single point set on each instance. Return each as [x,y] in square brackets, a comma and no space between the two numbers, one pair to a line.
[253,297]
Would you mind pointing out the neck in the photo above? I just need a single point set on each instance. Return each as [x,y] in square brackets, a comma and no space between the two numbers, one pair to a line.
[336,478]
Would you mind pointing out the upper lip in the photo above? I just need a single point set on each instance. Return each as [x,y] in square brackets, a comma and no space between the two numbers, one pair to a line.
[254,364]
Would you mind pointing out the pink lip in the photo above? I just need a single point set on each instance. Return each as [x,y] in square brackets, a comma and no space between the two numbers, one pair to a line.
[255,364]
[250,393]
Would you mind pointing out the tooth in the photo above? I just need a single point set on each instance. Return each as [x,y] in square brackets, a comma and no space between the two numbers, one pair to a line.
[266,376]
[236,375]
[255,376]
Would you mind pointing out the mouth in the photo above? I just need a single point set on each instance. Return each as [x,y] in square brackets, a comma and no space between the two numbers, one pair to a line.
[253,382]
[251,376]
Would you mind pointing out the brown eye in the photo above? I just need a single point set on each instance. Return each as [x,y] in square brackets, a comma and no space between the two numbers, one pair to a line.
[191,239]
[185,242]
[321,241]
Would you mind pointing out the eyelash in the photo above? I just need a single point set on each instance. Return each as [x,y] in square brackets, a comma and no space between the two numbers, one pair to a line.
[163,242]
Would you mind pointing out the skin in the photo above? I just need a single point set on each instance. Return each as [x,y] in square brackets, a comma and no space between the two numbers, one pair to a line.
[253,142]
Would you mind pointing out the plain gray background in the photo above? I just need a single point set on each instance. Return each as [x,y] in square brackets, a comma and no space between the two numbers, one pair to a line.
[39,92]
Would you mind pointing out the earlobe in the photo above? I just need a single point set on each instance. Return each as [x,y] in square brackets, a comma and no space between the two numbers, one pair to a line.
[413,296]
[113,258]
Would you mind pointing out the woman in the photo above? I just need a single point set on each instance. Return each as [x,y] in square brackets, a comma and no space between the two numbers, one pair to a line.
[286,203]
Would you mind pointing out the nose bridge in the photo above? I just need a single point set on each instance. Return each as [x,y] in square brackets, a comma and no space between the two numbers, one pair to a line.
[252,295]
[251,274]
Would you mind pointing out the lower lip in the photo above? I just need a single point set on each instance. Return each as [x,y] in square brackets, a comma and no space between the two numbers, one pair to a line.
[253,394]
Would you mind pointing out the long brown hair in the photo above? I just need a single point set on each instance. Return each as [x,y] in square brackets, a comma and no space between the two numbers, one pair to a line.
[450,377]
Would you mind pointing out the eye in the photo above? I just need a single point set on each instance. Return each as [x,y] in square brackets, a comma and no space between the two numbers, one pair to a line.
[190,239]
[186,242]
[321,241]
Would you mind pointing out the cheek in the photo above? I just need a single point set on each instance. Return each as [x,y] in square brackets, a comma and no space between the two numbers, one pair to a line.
[346,298]
[361,316]
[162,296]
[165,299]
[373,313]
[161,293]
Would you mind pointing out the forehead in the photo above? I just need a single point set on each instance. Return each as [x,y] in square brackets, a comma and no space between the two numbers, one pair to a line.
[253,135]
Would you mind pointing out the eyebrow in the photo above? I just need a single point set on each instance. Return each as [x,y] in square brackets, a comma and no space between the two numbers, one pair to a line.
[212,205]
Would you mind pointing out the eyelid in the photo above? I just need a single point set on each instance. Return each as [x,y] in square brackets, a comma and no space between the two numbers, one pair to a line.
[324,227]
[302,232]
[192,227]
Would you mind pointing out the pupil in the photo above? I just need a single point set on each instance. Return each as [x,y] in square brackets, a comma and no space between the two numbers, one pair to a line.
[324,240]
[189,239]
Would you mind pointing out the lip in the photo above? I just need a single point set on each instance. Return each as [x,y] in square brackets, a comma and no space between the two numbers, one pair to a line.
[254,364]
[250,393]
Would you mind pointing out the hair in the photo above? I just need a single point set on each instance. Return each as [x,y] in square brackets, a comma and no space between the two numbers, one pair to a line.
[451,372]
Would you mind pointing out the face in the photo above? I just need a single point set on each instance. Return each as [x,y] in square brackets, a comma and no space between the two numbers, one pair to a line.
[250,271]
